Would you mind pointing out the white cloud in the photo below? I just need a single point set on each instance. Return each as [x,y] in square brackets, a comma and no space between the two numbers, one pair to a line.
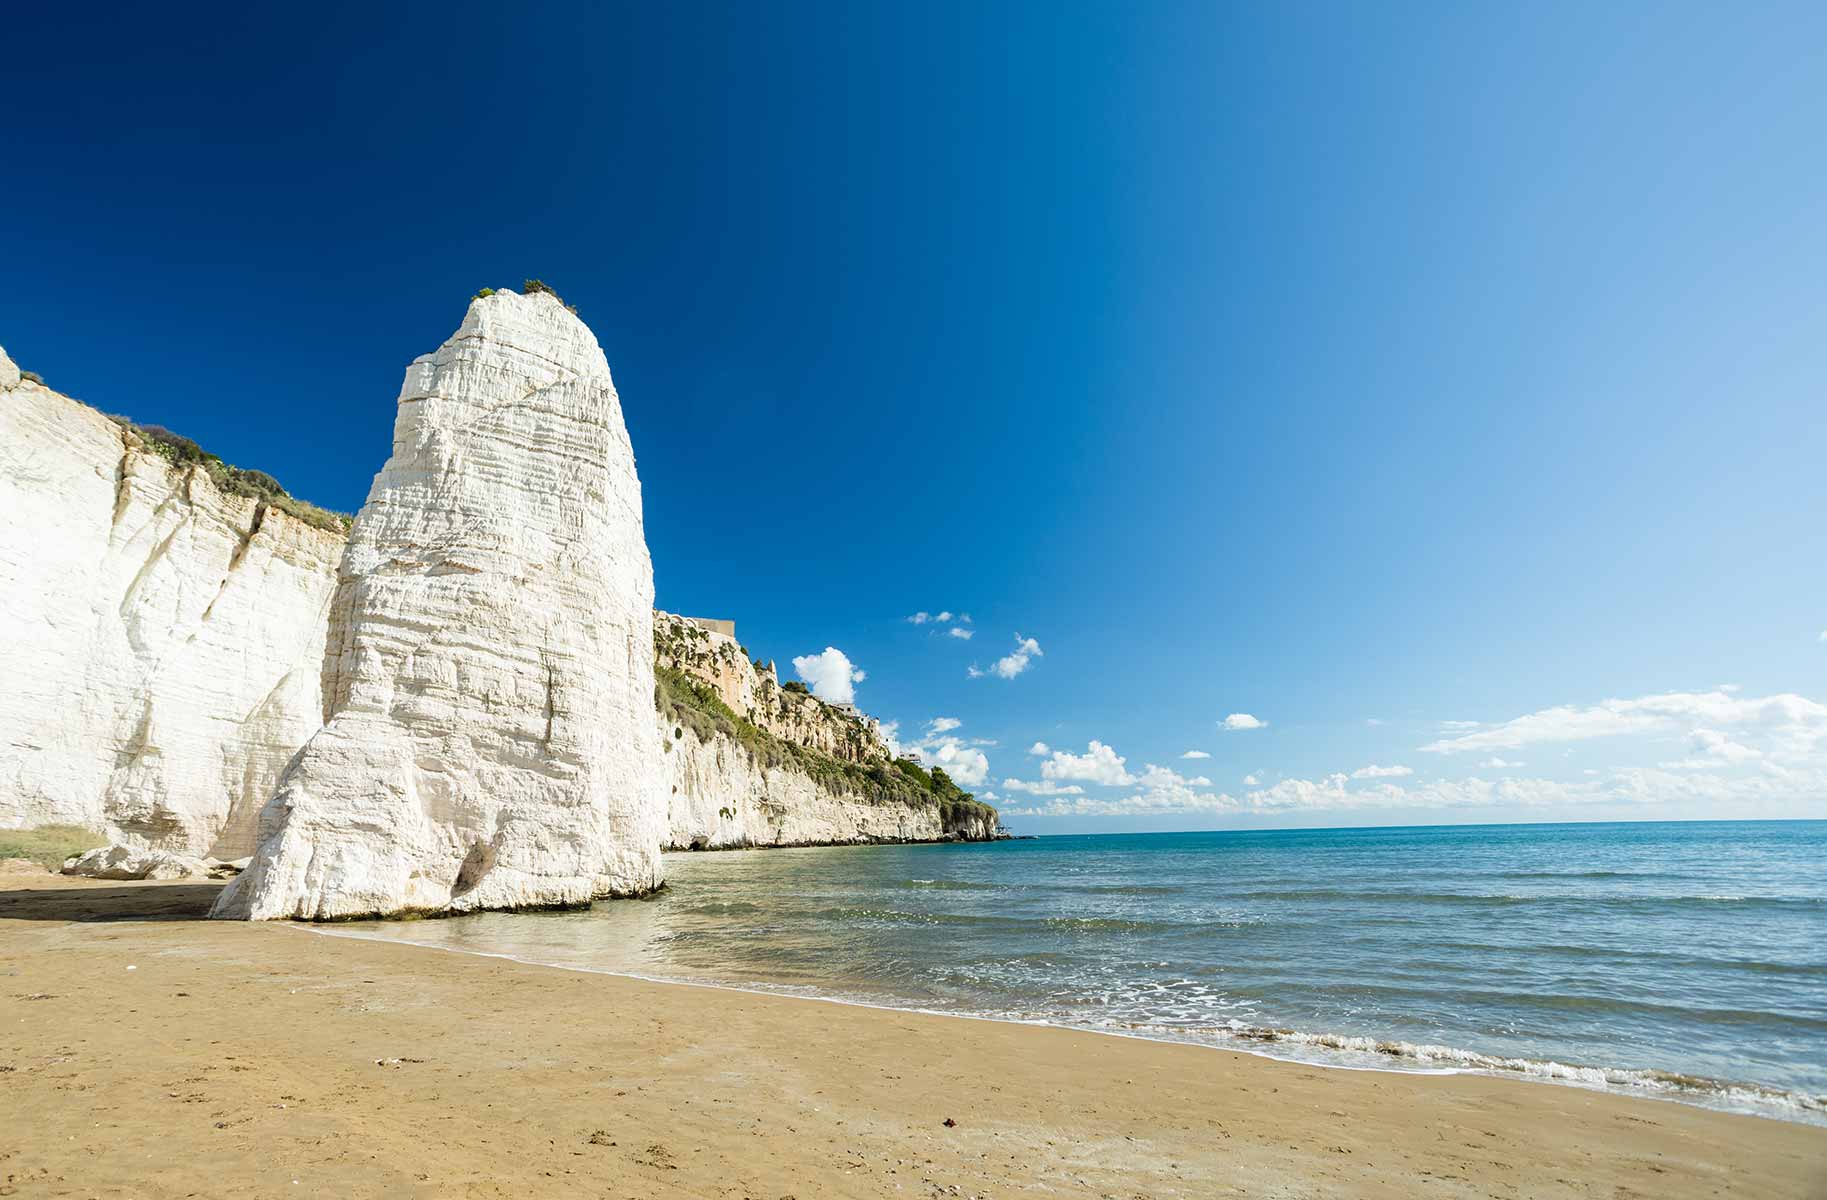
[1012,664]
[1195,754]
[967,766]
[1154,777]
[960,632]
[1459,724]
[1043,788]
[1711,750]
[1237,721]
[960,759]
[923,618]
[1163,792]
[1498,764]
[1789,725]
[1099,764]
[1040,748]
[1373,722]
[830,675]
[1375,772]
[1626,787]
[1251,781]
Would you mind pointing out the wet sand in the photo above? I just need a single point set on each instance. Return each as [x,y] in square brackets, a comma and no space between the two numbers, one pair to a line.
[147,1053]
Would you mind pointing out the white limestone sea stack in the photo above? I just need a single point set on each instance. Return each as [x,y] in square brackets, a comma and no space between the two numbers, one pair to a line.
[489,738]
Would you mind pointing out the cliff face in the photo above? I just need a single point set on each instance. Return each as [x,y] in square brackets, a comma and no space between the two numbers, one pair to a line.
[163,642]
[489,738]
[724,796]
[754,692]
[160,640]
[751,763]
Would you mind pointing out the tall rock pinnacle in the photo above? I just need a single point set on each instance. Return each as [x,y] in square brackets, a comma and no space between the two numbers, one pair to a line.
[489,737]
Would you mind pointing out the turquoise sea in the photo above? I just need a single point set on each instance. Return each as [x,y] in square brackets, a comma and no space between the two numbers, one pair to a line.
[1680,960]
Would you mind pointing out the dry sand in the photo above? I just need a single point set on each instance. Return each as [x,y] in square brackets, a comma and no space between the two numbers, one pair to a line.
[144,1052]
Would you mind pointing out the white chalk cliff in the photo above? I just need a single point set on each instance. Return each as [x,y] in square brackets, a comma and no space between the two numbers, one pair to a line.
[163,639]
[489,736]
[160,640]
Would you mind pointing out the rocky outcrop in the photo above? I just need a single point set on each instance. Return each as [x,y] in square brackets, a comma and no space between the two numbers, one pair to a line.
[135,862]
[489,737]
[160,639]
[752,763]
[723,796]
[754,692]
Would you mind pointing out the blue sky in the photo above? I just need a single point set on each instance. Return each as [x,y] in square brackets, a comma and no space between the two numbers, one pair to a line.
[1394,376]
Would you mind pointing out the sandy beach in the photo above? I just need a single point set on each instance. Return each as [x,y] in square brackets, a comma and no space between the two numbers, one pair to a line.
[147,1052]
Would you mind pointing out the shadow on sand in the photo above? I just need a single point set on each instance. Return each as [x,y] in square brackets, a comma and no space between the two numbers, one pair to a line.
[109,902]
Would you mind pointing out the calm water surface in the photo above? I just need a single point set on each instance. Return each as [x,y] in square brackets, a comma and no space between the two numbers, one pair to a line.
[1682,960]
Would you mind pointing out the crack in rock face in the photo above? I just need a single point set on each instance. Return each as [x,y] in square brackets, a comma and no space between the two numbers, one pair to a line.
[489,739]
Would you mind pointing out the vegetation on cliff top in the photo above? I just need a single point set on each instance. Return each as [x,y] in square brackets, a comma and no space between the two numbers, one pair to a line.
[688,701]
[181,451]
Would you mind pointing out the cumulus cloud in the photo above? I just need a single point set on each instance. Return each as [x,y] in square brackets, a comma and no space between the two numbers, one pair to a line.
[958,757]
[1195,754]
[1497,764]
[1787,724]
[831,675]
[1375,772]
[1237,721]
[1159,791]
[1155,777]
[967,765]
[959,631]
[1042,788]
[1012,664]
[939,618]
[1251,781]
[1099,764]
[1709,749]
[1040,748]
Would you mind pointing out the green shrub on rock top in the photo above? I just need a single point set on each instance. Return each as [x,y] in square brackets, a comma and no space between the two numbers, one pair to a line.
[181,451]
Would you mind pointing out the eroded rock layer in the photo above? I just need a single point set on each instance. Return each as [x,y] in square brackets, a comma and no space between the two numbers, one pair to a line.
[489,738]
[160,640]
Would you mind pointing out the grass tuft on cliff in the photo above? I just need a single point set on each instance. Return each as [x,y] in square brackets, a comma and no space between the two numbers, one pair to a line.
[49,845]
[181,451]
[690,702]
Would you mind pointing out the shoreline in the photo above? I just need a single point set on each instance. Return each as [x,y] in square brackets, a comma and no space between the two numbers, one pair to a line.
[1711,1095]
[362,1067]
